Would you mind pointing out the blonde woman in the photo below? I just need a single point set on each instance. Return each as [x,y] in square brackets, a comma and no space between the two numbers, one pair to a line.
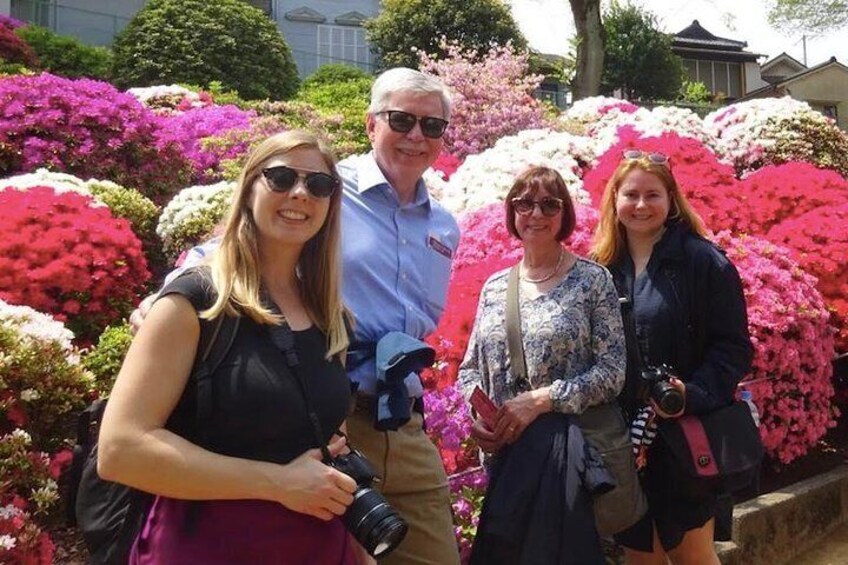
[257,490]
[687,312]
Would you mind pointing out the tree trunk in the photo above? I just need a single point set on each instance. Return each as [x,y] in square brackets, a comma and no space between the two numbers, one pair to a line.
[590,48]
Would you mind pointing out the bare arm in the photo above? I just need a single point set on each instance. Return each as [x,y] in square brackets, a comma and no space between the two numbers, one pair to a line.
[135,448]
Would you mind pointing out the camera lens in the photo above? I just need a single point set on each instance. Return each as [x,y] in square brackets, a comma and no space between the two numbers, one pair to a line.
[669,399]
[374,523]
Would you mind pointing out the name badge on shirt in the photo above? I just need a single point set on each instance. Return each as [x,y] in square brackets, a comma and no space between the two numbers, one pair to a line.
[439,247]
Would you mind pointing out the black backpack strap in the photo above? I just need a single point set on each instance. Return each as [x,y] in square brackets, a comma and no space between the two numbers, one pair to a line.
[216,339]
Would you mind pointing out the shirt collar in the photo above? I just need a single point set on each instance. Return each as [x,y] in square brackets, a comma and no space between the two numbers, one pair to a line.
[372,178]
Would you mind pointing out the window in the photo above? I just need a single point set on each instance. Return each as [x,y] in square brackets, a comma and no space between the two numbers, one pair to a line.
[343,44]
[38,12]
[717,76]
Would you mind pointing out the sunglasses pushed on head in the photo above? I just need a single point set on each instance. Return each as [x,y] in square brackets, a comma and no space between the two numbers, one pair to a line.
[653,157]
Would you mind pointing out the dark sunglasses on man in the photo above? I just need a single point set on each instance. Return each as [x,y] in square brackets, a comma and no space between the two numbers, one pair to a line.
[549,206]
[403,122]
[282,179]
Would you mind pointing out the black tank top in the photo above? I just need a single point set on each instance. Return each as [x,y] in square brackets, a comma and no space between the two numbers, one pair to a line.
[258,407]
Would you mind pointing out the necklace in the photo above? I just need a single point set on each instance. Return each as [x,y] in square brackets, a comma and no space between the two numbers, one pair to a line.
[550,275]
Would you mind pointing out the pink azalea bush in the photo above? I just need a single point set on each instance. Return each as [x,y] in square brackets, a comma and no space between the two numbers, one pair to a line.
[793,346]
[449,426]
[191,129]
[818,240]
[447,164]
[492,94]
[86,128]
[777,193]
[63,256]
[708,184]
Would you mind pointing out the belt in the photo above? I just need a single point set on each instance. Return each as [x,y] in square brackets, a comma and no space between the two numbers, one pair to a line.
[367,404]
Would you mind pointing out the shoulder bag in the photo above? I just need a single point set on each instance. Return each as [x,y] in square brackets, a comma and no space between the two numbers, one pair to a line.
[722,447]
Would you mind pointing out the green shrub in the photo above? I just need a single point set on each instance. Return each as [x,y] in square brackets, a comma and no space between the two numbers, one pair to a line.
[333,73]
[140,212]
[197,42]
[42,385]
[67,56]
[694,92]
[104,360]
[345,103]
[7,69]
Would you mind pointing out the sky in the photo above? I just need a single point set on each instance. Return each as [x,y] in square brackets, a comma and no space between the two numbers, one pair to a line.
[548,25]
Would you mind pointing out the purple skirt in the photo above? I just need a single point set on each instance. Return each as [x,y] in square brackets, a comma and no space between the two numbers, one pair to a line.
[238,531]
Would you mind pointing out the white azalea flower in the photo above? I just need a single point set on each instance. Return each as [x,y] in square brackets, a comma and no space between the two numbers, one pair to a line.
[35,326]
[487,177]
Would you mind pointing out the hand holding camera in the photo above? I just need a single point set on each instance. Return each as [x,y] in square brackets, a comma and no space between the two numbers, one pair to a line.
[309,486]
[372,521]
[664,391]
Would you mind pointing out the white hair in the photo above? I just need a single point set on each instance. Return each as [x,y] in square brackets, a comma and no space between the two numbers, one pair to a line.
[402,79]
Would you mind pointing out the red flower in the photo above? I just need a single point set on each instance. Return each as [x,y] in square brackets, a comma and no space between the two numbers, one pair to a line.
[63,256]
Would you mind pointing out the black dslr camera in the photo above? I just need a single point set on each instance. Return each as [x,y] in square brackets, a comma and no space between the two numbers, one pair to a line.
[657,387]
[370,518]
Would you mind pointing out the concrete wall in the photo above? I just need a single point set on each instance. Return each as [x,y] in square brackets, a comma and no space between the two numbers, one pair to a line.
[827,87]
[752,79]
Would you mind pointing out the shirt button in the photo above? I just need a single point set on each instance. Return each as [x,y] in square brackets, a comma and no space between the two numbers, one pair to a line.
[403,241]
[403,276]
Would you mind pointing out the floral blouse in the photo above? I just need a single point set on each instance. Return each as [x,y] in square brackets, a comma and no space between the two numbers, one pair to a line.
[573,341]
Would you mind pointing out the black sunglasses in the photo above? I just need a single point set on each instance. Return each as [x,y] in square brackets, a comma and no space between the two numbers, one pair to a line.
[403,122]
[549,206]
[654,158]
[282,179]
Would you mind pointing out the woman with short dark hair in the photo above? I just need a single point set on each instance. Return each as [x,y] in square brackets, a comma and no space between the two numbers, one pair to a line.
[571,331]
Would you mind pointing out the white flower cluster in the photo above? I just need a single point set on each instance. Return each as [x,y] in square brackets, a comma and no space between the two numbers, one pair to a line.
[741,133]
[648,123]
[196,203]
[487,177]
[33,326]
[436,183]
[59,182]
[7,542]
[587,110]
[10,511]
[146,94]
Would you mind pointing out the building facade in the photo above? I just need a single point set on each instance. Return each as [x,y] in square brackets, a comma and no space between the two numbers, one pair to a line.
[723,65]
[317,31]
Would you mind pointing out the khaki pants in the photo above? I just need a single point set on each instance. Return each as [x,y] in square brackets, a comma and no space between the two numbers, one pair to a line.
[414,482]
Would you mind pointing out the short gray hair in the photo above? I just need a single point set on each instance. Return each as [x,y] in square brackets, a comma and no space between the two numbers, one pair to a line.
[402,79]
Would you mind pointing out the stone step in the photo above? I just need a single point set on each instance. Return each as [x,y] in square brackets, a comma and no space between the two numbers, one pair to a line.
[779,526]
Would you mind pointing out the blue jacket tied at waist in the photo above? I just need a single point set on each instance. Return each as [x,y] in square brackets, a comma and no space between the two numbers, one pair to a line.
[399,357]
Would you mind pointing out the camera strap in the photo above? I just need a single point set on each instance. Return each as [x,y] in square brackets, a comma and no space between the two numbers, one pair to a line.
[283,338]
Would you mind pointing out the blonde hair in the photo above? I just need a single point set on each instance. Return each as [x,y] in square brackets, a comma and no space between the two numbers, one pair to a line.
[610,238]
[235,265]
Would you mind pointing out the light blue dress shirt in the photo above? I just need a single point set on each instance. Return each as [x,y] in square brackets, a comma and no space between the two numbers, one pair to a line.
[396,260]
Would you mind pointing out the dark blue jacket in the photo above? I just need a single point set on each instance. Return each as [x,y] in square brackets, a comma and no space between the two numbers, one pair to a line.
[538,505]
[693,318]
